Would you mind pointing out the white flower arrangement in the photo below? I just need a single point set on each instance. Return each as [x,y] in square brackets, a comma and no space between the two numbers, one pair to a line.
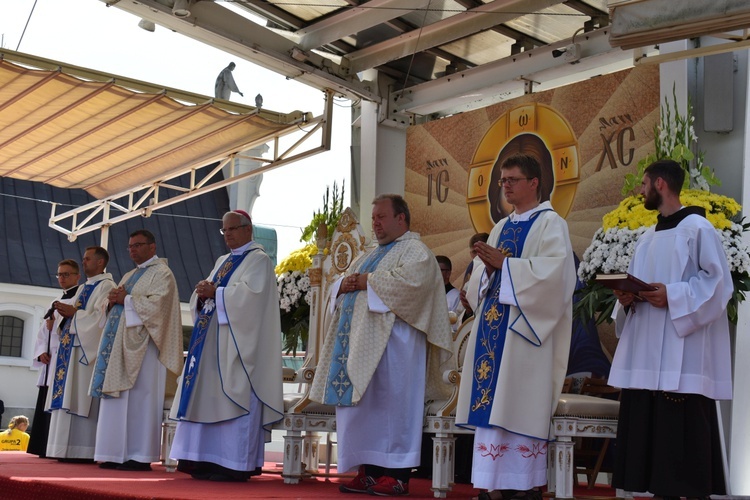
[613,245]
[293,286]
[611,251]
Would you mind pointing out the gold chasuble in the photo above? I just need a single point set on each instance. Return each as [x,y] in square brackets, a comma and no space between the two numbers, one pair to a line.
[406,283]
[155,300]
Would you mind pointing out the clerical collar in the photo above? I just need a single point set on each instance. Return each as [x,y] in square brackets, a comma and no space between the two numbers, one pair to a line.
[516,217]
[94,278]
[242,249]
[671,221]
[145,264]
[70,292]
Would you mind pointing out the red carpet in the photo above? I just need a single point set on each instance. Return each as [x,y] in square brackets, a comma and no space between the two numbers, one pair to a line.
[27,477]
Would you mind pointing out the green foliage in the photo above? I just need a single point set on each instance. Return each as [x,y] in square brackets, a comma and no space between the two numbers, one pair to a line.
[333,207]
[295,323]
[674,137]
[295,326]
[595,301]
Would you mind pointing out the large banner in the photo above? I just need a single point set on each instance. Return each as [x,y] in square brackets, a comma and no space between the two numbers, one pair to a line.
[586,136]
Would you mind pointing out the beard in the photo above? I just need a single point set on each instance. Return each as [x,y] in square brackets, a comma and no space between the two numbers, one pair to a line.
[652,200]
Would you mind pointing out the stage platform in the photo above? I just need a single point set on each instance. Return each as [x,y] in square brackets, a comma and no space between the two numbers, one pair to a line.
[27,477]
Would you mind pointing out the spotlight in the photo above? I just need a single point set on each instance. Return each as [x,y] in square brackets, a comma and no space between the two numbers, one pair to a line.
[571,52]
[181,8]
[146,25]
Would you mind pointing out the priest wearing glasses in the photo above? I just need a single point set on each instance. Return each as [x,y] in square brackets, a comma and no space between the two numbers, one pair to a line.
[230,392]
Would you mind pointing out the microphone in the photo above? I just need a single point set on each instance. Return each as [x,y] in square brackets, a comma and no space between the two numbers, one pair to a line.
[51,313]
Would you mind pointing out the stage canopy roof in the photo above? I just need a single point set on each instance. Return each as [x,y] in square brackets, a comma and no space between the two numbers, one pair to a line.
[122,140]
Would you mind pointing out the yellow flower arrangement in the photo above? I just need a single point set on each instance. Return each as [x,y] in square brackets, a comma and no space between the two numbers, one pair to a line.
[293,278]
[612,246]
[299,260]
[631,214]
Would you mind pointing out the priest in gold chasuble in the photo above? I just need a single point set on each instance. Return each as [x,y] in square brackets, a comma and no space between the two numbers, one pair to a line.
[388,341]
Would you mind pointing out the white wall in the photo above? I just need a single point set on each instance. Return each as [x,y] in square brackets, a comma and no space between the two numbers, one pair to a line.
[30,303]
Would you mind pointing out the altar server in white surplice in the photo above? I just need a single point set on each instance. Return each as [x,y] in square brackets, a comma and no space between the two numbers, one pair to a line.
[673,360]
[388,338]
[517,354]
[45,353]
[142,339]
[74,412]
[230,392]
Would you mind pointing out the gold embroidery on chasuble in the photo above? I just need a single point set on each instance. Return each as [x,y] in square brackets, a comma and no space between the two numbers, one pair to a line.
[491,332]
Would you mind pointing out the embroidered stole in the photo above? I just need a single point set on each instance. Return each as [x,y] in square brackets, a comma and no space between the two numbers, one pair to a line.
[338,384]
[66,349]
[108,338]
[200,329]
[493,324]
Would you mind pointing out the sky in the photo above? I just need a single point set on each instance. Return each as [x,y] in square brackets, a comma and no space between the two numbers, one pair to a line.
[88,33]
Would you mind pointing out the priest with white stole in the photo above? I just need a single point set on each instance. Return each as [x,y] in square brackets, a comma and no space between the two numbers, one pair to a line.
[142,339]
[45,353]
[230,392]
[74,411]
[673,360]
[386,346]
[517,354]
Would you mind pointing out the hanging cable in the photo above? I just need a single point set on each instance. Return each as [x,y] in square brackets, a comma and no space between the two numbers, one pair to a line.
[416,45]
[26,26]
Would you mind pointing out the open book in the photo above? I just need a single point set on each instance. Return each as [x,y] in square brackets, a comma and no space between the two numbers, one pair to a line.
[625,282]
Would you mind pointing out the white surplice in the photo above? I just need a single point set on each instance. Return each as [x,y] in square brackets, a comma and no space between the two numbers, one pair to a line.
[683,347]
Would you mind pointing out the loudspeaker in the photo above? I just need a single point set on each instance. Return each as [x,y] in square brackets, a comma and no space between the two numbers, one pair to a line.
[718,92]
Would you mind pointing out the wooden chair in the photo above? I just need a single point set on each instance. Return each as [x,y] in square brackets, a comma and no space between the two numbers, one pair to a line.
[576,416]
[440,419]
[590,457]
[303,418]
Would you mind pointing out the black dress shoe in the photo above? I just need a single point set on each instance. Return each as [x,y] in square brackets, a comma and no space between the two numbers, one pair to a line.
[76,460]
[134,465]
[109,465]
[201,476]
[226,478]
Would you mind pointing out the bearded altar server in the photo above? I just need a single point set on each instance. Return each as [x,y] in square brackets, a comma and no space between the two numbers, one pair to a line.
[230,392]
[74,411]
[142,339]
[673,360]
[517,353]
[45,353]
[388,337]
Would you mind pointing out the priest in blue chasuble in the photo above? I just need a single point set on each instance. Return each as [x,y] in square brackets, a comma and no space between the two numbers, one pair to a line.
[75,413]
[230,391]
[517,354]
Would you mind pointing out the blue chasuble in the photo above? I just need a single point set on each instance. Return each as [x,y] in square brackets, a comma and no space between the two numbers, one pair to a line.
[200,329]
[66,348]
[108,339]
[493,325]
[338,384]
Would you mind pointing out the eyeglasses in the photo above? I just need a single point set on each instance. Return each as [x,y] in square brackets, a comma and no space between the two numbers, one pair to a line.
[230,229]
[65,275]
[512,181]
[136,245]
